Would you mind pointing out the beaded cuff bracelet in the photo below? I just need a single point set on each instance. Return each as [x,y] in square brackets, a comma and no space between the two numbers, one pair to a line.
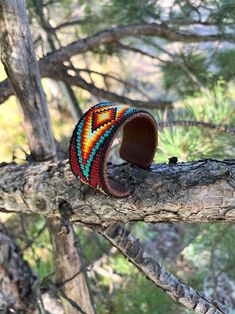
[93,136]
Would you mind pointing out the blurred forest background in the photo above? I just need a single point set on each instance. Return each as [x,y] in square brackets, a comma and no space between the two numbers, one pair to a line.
[196,79]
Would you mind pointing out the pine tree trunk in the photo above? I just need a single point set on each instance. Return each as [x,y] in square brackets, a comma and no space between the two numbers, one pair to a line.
[21,66]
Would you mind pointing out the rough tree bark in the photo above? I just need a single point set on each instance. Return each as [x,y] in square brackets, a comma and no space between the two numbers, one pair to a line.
[21,66]
[199,191]
[174,287]
[162,194]
[74,278]
[16,278]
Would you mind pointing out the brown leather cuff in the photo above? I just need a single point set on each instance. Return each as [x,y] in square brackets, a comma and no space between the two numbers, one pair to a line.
[92,140]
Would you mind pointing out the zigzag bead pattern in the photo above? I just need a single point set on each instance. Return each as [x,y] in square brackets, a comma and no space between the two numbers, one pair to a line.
[91,139]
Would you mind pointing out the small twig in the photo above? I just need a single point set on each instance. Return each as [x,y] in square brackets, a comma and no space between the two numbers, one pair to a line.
[31,241]
[61,292]
[147,54]
[90,266]
[71,302]
[62,74]
[28,242]
[113,77]
[220,128]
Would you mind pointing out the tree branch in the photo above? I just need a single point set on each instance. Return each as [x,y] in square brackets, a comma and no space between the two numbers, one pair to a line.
[199,191]
[20,63]
[60,73]
[16,278]
[113,35]
[174,287]
[217,127]
[6,90]
[74,22]
[137,50]
[106,76]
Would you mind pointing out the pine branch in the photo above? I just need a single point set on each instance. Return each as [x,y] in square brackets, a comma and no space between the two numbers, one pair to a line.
[61,74]
[114,34]
[115,78]
[217,127]
[132,249]
[199,191]
[140,51]
[52,60]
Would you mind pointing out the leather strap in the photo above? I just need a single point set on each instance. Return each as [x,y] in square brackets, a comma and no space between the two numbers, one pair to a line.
[93,136]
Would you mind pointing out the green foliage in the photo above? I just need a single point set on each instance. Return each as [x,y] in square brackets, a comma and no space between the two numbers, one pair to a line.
[101,14]
[94,243]
[203,77]
[141,296]
[219,12]
[105,51]
[136,294]
[188,10]
[67,5]
[141,231]
[225,61]
[211,251]
[122,11]
[185,73]
[224,13]
[34,241]
[119,264]
[189,143]
[34,8]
